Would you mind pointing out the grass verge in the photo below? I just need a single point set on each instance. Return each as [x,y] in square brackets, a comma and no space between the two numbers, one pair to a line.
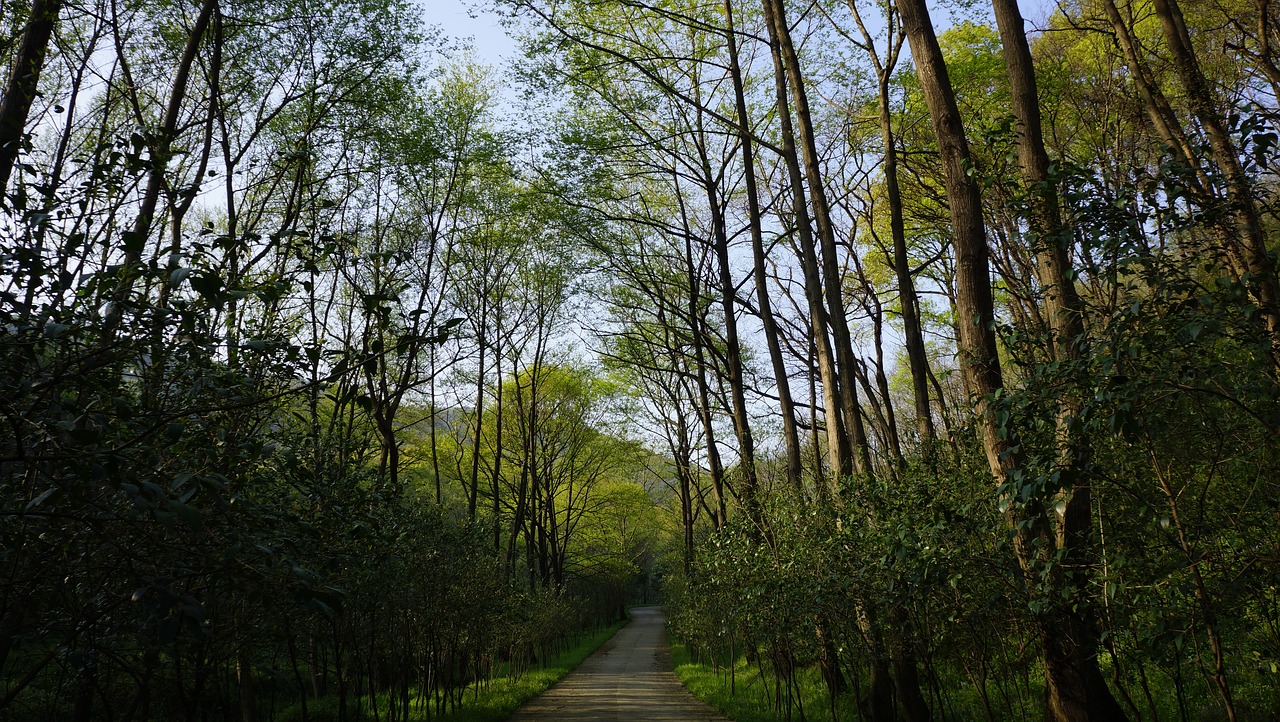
[493,702]
[741,693]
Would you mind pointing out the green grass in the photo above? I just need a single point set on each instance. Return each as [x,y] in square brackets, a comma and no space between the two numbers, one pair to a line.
[744,698]
[1256,695]
[495,700]
[501,698]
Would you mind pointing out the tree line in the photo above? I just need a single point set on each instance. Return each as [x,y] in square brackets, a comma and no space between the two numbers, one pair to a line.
[292,426]
[963,343]
[955,353]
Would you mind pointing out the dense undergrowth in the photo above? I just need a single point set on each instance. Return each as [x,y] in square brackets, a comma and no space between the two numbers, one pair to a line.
[748,692]
[487,700]
[297,419]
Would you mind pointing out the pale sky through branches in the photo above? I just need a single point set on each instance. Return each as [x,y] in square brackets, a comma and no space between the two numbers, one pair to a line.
[469,19]
[491,44]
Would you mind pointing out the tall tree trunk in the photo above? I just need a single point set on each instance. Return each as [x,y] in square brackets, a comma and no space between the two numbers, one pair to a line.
[786,406]
[1071,663]
[165,134]
[24,83]
[733,348]
[911,701]
[1072,677]
[913,334]
[974,301]
[833,288]
[1157,106]
[473,487]
[496,477]
[714,463]
[524,500]
[697,338]
[180,204]
[681,455]
[434,439]
[838,451]
[1247,252]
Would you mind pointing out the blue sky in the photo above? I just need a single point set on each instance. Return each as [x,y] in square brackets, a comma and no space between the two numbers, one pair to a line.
[492,46]
[454,17]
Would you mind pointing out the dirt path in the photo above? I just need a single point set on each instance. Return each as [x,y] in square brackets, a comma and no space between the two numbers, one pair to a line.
[629,679]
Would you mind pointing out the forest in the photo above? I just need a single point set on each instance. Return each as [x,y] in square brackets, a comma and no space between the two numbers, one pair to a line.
[921,359]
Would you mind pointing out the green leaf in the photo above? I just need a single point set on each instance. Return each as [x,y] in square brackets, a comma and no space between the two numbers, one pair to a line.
[209,286]
[36,502]
[187,513]
[133,242]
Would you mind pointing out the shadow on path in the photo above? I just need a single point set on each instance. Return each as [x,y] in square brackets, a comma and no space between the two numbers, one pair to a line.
[629,679]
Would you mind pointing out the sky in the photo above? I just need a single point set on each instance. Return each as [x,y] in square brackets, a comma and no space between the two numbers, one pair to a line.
[491,44]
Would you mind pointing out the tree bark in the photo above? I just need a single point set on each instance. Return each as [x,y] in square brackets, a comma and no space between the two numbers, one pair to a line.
[733,348]
[24,83]
[714,464]
[1159,111]
[913,332]
[833,289]
[1071,663]
[974,302]
[838,451]
[473,487]
[169,127]
[1069,655]
[786,406]
[1247,252]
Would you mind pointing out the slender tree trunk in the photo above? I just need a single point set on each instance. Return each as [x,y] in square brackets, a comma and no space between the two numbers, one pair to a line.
[165,134]
[697,339]
[496,476]
[1050,243]
[473,488]
[57,168]
[1266,53]
[911,701]
[683,462]
[246,682]
[231,322]
[833,288]
[838,451]
[435,446]
[1070,667]
[974,301]
[1157,106]
[1203,600]
[714,463]
[786,406]
[180,205]
[880,697]
[913,334]
[733,348]
[1248,251]
[737,394]
[523,497]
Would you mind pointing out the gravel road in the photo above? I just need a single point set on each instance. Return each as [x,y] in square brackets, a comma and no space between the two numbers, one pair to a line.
[629,679]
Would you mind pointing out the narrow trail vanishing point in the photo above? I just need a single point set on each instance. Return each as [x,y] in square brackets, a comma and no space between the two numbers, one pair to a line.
[629,679]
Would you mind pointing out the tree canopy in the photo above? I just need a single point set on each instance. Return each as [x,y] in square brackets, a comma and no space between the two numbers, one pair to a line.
[926,353]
